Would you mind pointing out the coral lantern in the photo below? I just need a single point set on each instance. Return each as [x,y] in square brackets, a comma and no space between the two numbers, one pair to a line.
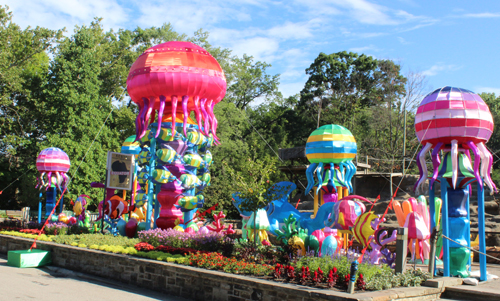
[174,79]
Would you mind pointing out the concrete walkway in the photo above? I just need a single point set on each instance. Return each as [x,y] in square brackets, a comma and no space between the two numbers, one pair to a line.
[52,283]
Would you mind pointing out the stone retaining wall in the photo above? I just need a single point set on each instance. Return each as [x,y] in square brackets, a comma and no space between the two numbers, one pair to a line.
[194,283]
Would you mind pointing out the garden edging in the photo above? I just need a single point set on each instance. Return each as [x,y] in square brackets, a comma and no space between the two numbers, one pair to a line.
[195,283]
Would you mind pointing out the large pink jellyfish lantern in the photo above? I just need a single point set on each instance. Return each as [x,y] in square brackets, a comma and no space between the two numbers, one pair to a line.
[53,164]
[456,120]
[173,79]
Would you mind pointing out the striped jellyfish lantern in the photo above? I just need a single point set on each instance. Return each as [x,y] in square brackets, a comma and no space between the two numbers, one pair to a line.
[53,164]
[454,120]
[330,149]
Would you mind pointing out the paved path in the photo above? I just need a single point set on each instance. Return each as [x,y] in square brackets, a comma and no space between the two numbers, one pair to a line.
[52,283]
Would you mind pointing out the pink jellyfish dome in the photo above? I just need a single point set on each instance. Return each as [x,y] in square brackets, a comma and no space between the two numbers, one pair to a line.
[53,159]
[172,80]
[451,113]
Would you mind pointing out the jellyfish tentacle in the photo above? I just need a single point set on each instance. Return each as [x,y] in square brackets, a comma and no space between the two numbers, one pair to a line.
[423,165]
[185,100]
[477,157]
[139,121]
[213,120]
[353,173]
[454,162]
[49,176]
[147,117]
[205,116]
[436,161]
[419,170]
[196,102]
[486,161]
[163,100]
[310,177]
[319,173]
[174,112]
[59,180]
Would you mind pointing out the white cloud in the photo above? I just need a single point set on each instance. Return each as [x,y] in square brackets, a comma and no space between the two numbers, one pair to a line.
[261,48]
[55,14]
[289,89]
[438,68]
[403,41]
[487,90]
[482,15]
[364,49]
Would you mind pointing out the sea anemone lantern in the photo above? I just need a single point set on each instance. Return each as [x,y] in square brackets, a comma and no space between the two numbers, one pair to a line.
[174,79]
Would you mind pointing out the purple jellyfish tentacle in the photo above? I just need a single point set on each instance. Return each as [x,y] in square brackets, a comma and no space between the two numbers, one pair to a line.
[205,116]
[477,157]
[436,161]
[174,113]
[310,177]
[185,100]
[139,122]
[142,124]
[419,171]
[147,117]
[215,122]
[421,158]
[163,99]
[49,175]
[196,101]
[454,162]
[486,162]
[65,179]
[490,165]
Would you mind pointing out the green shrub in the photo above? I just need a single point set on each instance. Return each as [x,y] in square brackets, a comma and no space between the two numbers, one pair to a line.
[157,255]
[343,265]
[96,239]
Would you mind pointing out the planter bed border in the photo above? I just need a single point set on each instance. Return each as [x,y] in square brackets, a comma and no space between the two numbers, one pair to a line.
[196,283]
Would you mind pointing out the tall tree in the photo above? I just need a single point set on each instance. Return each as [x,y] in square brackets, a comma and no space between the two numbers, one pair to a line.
[23,71]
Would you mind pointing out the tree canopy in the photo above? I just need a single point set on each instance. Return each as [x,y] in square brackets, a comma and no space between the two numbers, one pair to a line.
[66,91]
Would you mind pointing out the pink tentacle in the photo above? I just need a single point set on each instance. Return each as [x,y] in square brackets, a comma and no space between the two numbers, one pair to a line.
[148,112]
[196,101]
[185,100]
[174,113]
[163,99]
[139,122]
[213,120]
[436,161]
[142,121]
[205,116]
[454,162]
[49,175]
[474,149]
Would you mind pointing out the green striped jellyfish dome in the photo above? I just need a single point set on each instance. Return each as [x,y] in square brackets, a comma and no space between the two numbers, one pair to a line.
[130,146]
[331,144]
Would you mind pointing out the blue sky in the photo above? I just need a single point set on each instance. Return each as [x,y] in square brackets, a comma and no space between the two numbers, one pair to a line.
[452,43]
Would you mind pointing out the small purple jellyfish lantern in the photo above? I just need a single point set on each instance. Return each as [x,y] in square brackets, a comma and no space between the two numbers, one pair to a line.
[53,164]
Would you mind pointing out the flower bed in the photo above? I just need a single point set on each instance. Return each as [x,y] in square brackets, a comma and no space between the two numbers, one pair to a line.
[217,252]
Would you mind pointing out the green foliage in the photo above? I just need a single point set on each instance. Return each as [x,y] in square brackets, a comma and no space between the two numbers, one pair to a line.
[343,265]
[97,240]
[42,237]
[158,255]
[387,279]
